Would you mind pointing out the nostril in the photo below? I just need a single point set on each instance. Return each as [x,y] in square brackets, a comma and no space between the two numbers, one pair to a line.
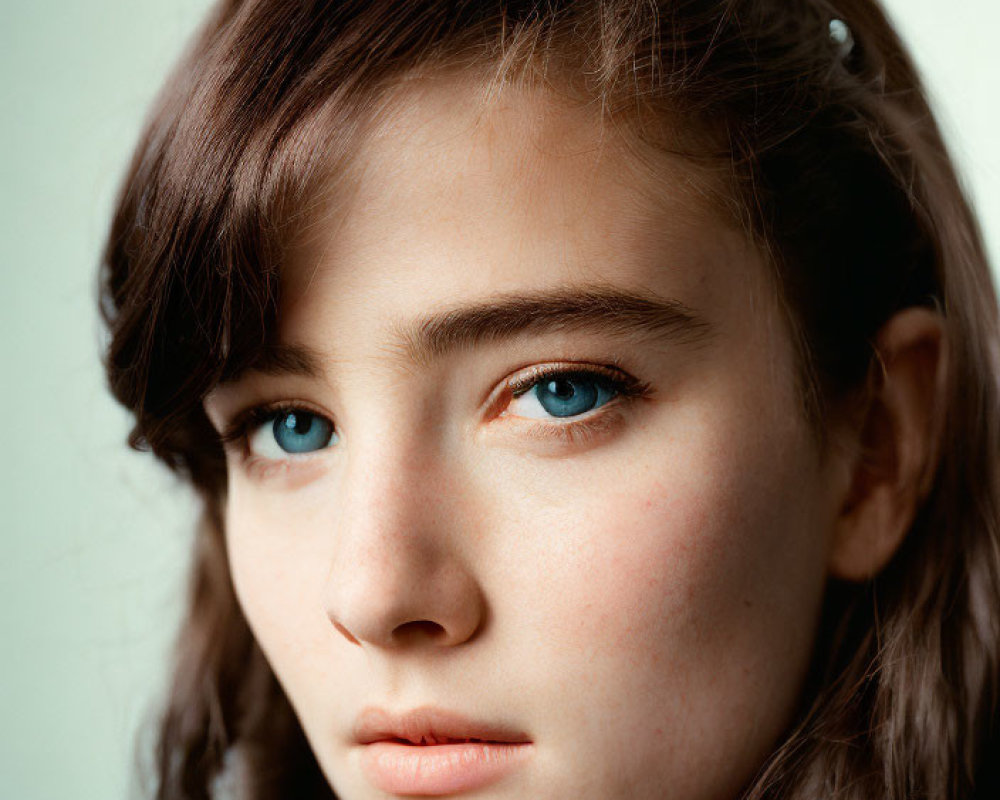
[418,629]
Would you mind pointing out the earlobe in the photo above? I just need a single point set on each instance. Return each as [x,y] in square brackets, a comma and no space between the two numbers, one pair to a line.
[897,444]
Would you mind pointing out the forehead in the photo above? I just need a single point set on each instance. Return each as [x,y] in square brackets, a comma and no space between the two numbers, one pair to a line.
[454,195]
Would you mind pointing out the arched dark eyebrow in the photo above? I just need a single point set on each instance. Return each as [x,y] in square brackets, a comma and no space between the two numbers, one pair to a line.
[600,309]
[277,358]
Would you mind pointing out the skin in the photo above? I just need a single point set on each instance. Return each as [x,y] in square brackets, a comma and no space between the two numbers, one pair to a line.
[643,601]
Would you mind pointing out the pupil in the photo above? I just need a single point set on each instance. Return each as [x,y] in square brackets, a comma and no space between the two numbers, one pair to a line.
[561,388]
[298,424]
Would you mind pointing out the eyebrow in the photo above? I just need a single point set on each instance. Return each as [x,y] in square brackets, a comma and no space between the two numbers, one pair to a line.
[605,310]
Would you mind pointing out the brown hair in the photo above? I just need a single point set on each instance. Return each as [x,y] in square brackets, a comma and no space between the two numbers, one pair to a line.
[836,167]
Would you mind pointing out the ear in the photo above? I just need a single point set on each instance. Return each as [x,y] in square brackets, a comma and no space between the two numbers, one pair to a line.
[896,444]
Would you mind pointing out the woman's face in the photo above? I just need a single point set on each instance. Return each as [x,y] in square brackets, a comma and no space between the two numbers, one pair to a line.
[621,568]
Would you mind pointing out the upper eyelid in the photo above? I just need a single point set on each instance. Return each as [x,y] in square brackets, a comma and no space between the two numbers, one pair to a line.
[539,372]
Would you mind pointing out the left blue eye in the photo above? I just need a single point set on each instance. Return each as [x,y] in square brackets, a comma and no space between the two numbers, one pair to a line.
[301,432]
[567,395]
[290,432]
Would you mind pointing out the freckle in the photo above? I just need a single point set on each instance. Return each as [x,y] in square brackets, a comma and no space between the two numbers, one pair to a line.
[748,603]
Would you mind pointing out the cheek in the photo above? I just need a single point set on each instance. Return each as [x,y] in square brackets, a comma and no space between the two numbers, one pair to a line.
[694,558]
[676,560]
[277,577]
[699,529]
[684,597]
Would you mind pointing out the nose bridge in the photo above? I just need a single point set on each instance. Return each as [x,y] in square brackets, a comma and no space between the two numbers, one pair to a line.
[396,576]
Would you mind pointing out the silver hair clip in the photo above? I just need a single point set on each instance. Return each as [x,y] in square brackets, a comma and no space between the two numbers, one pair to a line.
[841,37]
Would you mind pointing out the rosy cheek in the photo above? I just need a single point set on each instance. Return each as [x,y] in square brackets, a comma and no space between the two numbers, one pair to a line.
[651,560]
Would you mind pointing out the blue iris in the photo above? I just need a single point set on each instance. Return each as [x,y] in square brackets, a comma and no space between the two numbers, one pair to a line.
[301,432]
[568,396]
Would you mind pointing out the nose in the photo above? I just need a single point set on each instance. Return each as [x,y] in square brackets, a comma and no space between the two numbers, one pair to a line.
[398,578]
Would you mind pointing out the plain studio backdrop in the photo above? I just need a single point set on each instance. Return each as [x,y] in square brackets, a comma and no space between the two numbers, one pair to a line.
[95,537]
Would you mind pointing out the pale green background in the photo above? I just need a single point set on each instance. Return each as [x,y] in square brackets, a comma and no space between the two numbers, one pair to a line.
[95,537]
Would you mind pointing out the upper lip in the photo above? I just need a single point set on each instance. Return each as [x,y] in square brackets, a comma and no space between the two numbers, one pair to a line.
[428,725]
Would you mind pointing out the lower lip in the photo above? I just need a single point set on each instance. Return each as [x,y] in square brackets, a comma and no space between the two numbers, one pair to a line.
[410,769]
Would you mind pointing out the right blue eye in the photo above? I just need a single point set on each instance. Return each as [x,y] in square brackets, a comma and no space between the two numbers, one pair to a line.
[572,395]
[294,431]
[564,394]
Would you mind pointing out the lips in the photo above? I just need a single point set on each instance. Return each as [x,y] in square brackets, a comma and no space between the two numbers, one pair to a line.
[430,751]
[430,726]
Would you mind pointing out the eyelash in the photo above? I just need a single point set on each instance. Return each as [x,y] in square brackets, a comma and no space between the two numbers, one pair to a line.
[626,389]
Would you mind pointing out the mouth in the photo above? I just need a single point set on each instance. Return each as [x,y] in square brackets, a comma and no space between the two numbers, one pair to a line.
[430,751]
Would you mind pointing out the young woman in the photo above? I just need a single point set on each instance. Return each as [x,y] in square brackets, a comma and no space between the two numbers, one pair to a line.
[588,400]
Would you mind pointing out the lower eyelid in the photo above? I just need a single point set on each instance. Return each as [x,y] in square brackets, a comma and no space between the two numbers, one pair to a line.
[297,468]
[586,429]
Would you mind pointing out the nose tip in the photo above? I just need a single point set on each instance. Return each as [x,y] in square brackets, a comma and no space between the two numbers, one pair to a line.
[393,611]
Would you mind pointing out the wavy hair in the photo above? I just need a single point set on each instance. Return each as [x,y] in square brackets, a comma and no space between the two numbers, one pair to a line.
[832,162]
